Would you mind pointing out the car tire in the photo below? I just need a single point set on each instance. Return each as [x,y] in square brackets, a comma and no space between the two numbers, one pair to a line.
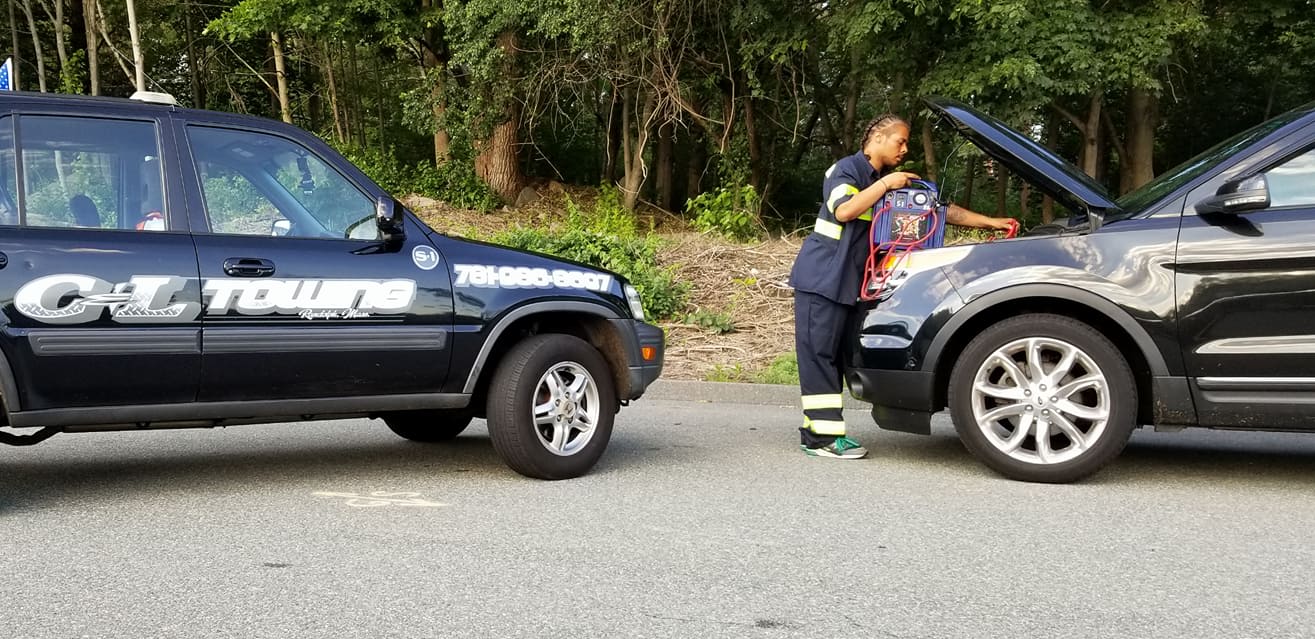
[1086,401]
[550,407]
[429,426]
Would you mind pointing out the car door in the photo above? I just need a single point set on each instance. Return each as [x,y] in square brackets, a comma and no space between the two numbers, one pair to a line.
[97,311]
[1246,297]
[303,298]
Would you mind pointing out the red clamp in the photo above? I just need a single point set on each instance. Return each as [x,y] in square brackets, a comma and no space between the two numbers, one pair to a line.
[1012,231]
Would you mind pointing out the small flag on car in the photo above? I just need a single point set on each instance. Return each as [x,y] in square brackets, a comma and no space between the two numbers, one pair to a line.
[6,72]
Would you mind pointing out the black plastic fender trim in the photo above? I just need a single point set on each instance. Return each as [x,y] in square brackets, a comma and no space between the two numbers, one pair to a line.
[524,311]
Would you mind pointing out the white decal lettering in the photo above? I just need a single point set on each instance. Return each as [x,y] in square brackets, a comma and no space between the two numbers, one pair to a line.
[481,276]
[70,298]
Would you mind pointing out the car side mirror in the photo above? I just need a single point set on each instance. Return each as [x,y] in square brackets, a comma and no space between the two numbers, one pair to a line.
[281,228]
[1238,196]
[388,215]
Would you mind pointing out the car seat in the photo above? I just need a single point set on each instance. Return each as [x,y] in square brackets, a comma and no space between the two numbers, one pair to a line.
[84,211]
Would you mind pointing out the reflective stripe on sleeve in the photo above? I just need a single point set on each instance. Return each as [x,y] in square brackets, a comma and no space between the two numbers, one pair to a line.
[830,170]
[840,191]
[820,402]
[829,229]
[866,216]
[834,427]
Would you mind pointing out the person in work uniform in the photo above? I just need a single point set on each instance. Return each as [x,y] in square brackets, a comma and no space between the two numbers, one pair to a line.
[828,274]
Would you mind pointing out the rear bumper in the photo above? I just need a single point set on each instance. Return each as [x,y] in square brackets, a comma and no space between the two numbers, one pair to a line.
[905,390]
[901,400]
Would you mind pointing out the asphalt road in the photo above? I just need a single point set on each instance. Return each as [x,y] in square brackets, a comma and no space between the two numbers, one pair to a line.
[702,520]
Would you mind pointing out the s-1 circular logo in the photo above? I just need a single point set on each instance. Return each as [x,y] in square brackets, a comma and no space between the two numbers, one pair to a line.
[425,257]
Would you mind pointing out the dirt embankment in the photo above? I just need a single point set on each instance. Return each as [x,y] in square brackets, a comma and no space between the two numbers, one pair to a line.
[737,286]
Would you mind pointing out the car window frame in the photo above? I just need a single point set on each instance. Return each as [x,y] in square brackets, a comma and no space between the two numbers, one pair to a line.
[1269,152]
[202,216]
[177,221]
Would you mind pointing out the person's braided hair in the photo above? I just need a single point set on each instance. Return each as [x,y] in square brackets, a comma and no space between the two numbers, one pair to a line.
[879,124]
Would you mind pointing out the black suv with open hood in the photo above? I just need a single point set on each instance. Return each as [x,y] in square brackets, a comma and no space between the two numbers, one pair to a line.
[1189,302]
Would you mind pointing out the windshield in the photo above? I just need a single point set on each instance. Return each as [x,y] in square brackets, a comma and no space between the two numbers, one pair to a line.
[1169,181]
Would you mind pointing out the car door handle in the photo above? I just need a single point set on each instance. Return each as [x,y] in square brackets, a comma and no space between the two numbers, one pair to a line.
[248,267]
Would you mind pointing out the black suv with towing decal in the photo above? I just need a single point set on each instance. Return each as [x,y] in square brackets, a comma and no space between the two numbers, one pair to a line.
[163,267]
[1188,302]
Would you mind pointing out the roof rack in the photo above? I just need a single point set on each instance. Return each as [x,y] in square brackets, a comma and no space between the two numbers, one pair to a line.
[154,97]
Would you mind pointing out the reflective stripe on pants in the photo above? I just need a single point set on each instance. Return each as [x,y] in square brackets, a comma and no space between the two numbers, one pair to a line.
[819,325]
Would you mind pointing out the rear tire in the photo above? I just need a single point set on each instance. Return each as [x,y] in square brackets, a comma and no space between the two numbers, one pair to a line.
[550,407]
[1043,374]
[429,426]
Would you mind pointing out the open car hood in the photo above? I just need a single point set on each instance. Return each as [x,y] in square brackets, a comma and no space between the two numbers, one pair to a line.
[1025,157]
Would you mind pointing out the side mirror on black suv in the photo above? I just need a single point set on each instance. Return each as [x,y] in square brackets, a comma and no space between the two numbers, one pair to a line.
[1241,195]
[388,215]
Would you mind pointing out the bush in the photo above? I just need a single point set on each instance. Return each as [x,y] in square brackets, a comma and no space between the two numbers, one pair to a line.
[783,370]
[607,240]
[729,212]
[711,321]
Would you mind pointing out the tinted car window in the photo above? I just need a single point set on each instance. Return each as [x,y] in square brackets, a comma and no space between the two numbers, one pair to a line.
[91,173]
[8,179]
[1169,181]
[1293,182]
[253,181]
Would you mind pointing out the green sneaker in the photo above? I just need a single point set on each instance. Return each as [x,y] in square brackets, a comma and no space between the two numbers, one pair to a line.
[841,448]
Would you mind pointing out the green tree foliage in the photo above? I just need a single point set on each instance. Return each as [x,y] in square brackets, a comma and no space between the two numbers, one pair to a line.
[681,102]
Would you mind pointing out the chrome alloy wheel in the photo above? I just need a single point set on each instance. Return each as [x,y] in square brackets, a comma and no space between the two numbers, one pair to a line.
[566,408]
[1041,400]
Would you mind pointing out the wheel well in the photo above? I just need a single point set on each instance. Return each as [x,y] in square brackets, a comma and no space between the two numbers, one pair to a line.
[591,328]
[1056,306]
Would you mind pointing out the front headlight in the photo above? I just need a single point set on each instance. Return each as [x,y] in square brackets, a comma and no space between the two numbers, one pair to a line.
[636,306]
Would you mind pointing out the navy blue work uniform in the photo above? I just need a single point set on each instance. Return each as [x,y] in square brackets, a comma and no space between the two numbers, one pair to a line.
[826,277]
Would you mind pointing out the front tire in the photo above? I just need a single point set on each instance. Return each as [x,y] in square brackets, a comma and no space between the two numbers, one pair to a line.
[550,407]
[1043,398]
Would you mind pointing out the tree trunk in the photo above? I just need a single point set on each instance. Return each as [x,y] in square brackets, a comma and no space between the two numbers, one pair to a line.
[1024,194]
[970,176]
[281,71]
[57,22]
[1001,190]
[138,60]
[928,151]
[1052,140]
[105,34]
[851,101]
[195,66]
[665,161]
[496,163]
[333,95]
[93,47]
[698,157]
[434,61]
[635,142]
[13,33]
[757,170]
[1143,107]
[496,160]
[355,118]
[615,133]
[36,45]
[1091,137]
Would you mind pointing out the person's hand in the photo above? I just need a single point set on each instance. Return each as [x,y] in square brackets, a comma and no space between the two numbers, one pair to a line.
[897,180]
[1002,223]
